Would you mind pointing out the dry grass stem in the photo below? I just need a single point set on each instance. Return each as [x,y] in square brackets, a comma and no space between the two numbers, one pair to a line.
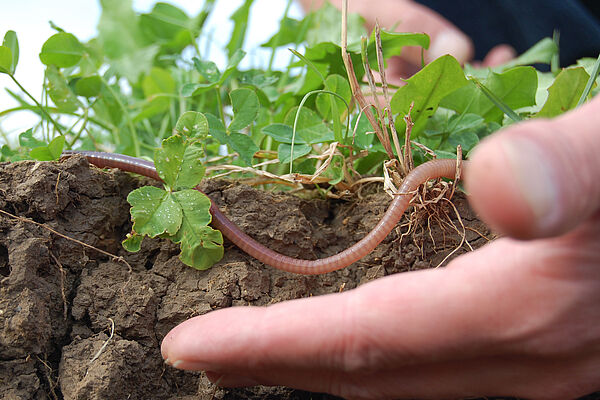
[112,332]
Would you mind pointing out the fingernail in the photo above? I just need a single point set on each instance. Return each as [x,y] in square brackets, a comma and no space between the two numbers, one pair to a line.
[450,42]
[535,178]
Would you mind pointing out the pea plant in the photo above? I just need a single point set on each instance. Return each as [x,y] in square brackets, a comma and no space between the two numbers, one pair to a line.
[144,87]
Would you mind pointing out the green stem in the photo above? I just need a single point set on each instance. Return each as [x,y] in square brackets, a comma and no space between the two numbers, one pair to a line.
[56,111]
[134,138]
[276,44]
[590,83]
[42,109]
[220,104]
[83,126]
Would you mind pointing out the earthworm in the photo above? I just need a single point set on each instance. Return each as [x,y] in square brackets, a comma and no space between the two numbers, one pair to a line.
[441,168]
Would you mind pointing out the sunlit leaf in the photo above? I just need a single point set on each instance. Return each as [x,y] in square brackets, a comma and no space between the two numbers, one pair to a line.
[179,163]
[59,90]
[245,108]
[154,211]
[88,86]
[10,41]
[240,23]
[426,89]
[62,49]
[192,124]
[516,88]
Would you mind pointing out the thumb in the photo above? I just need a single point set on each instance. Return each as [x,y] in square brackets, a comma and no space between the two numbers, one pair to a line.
[539,178]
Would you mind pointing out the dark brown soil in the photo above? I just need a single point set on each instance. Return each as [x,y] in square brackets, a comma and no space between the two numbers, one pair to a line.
[59,299]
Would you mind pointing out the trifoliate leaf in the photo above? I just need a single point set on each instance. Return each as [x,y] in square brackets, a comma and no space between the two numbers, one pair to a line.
[179,164]
[154,211]
[192,124]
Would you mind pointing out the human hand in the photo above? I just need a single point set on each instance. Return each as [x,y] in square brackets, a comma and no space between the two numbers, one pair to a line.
[516,317]
[409,16]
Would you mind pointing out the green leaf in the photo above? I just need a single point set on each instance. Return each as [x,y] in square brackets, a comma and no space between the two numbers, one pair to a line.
[207,69]
[154,211]
[201,246]
[123,41]
[245,108]
[240,22]
[426,89]
[6,59]
[216,128]
[137,62]
[88,86]
[336,84]
[194,89]
[192,124]
[165,21]
[465,138]
[119,30]
[59,90]
[516,88]
[133,242]
[158,85]
[232,64]
[392,44]
[243,145]
[327,59]
[327,26]
[284,151]
[310,126]
[445,154]
[50,152]
[56,147]
[158,81]
[10,41]
[502,106]
[282,133]
[291,31]
[62,49]
[195,206]
[565,92]
[363,133]
[541,53]
[26,139]
[205,254]
[179,163]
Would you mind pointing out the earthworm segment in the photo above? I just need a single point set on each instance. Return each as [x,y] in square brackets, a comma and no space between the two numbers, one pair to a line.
[442,168]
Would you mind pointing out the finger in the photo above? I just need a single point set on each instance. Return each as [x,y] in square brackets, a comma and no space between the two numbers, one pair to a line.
[503,376]
[408,16]
[499,55]
[414,334]
[539,178]
[417,317]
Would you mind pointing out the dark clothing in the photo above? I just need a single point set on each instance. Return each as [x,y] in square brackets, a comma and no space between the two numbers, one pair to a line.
[522,23]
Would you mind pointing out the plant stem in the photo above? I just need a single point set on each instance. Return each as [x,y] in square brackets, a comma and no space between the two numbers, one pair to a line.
[134,138]
[101,124]
[590,82]
[220,104]
[42,109]
[276,44]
